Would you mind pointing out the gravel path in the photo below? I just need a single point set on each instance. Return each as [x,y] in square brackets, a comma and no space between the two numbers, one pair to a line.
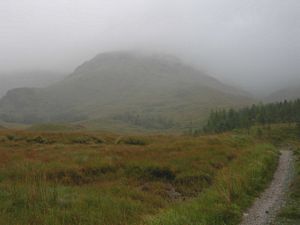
[265,208]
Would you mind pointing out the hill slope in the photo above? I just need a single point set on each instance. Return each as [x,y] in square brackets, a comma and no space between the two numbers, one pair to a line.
[27,79]
[291,93]
[122,88]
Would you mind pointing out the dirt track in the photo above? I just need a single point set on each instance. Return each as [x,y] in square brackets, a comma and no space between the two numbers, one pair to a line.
[265,208]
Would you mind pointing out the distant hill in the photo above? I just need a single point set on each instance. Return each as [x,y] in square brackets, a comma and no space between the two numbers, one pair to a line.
[37,78]
[55,127]
[124,89]
[290,93]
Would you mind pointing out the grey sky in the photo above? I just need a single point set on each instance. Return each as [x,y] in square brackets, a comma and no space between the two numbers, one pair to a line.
[255,43]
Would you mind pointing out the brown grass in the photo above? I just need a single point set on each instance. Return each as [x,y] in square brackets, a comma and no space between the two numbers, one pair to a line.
[100,178]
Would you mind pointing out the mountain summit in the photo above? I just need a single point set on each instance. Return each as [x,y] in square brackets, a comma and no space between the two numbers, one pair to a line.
[132,89]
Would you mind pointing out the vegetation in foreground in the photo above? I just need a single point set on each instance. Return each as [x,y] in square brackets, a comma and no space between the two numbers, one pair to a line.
[63,178]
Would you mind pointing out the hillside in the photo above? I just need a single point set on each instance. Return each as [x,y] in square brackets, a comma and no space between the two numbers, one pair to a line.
[36,78]
[123,89]
[285,94]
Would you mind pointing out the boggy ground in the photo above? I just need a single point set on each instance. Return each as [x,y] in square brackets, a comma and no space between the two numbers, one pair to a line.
[78,178]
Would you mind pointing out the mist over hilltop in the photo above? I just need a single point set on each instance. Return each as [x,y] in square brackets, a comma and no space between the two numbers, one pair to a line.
[253,44]
[124,89]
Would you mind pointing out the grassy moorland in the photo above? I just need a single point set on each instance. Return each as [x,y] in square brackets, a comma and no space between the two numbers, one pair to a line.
[62,178]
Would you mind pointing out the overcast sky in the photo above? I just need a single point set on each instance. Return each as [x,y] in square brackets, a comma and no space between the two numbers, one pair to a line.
[255,43]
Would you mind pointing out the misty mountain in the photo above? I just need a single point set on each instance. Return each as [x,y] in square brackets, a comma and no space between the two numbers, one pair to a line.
[27,79]
[124,89]
[290,93]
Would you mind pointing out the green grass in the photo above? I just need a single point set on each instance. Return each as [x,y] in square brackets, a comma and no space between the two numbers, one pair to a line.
[285,135]
[233,191]
[84,178]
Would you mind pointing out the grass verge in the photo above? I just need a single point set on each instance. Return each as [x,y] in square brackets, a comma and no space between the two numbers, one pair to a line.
[290,214]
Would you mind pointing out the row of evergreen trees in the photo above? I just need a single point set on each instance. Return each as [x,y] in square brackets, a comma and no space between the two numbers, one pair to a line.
[146,121]
[264,114]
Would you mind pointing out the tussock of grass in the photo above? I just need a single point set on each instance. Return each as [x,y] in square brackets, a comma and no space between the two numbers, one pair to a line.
[39,140]
[131,141]
[86,140]
[55,137]
[79,176]
[150,173]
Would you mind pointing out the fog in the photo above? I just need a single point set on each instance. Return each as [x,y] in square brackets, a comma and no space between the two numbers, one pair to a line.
[251,43]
